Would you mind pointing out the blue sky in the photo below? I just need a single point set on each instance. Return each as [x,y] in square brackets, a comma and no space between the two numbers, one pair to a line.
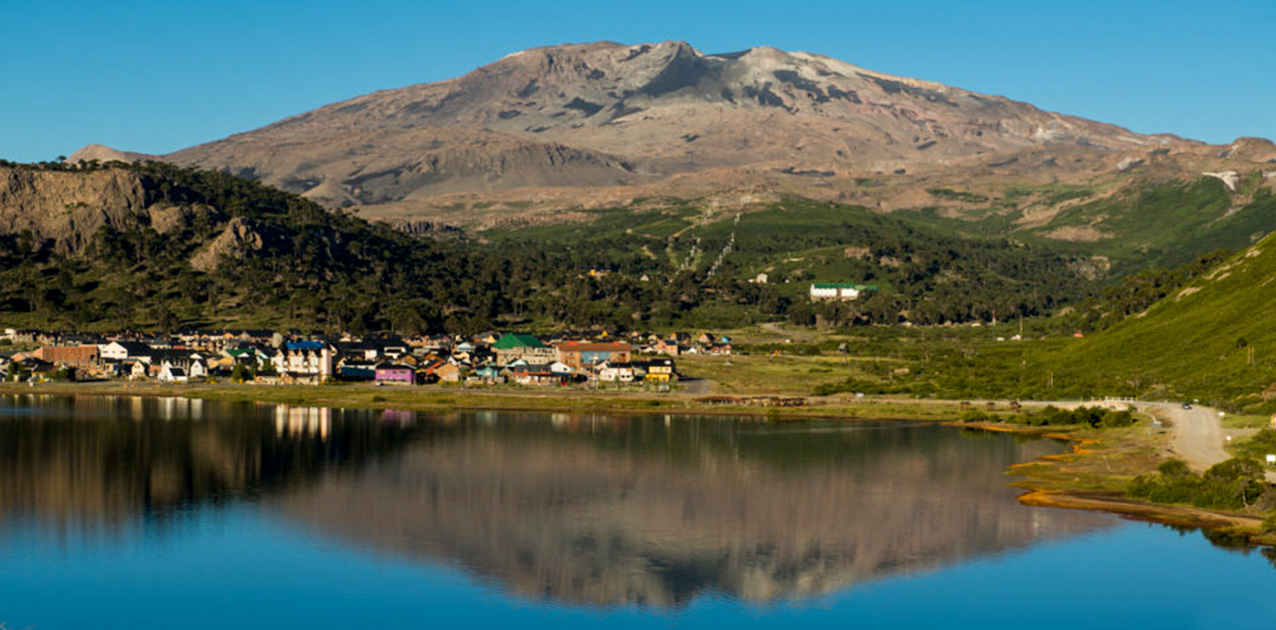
[155,76]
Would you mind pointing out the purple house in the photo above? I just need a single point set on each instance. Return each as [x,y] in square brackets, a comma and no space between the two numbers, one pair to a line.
[395,374]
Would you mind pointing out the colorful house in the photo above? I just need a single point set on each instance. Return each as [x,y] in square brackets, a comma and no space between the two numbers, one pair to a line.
[395,374]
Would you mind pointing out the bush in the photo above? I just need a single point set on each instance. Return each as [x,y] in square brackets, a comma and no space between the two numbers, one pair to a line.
[1234,470]
[975,415]
[1174,468]
[1094,417]
[1230,485]
[1260,445]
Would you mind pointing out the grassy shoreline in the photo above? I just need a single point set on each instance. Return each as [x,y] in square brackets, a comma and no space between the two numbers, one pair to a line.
[1091,474]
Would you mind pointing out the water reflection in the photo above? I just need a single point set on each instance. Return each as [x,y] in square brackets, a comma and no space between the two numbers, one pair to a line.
[607,510]
[579,508]
[94,461]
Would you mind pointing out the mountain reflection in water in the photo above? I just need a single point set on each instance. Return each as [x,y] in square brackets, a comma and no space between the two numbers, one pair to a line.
[586,509]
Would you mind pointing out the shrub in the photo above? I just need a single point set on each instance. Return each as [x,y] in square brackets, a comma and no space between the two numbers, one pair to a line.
[975,415]
[1174,468]
[1229,485]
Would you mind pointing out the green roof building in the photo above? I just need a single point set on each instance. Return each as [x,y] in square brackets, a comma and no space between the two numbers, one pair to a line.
[511,341]
[839,290]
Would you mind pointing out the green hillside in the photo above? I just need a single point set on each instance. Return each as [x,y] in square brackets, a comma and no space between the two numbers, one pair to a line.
[1146,226]
[927,274]
[1214,340]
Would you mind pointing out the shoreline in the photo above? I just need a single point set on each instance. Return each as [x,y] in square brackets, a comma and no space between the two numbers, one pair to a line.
[1045,480]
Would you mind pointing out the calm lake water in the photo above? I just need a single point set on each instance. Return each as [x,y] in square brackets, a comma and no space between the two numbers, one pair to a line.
[166,513]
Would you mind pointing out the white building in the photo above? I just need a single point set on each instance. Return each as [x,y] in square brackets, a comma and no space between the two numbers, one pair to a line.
[840,291]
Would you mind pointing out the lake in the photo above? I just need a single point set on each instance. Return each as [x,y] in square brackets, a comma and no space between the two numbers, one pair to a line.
[122,512]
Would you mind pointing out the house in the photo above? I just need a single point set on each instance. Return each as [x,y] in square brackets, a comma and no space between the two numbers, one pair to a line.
[354,370]
[137,369]
[537,375]
[616,372]
[121,350]
[719,349]
[250,356]
[513,346]
[172,374]
[305,359]
[582,356]
[82,357]
[395,374]
[197,370]
[668,347]
[839,291]
[448,373]
[660,371]
[488,374]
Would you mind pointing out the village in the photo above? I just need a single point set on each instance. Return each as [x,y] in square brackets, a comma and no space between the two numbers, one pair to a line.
[644,360]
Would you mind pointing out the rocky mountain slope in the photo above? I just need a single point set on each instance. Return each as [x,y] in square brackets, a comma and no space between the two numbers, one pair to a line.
[602,124]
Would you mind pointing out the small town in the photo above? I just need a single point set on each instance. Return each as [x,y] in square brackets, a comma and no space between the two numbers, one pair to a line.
[384,359]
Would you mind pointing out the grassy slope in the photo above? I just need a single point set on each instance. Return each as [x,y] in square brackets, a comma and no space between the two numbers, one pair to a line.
[1192,345]
[1160,225]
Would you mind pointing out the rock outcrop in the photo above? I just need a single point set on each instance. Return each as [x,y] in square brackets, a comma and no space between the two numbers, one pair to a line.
[63,210]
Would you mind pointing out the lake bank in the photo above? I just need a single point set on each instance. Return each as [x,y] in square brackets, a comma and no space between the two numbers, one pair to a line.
[1090,475]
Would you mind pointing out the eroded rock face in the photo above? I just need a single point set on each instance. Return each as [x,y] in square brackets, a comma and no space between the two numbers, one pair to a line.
[236,238]
[63,210]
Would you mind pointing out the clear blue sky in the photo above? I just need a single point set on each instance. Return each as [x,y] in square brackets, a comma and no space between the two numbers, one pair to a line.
[156,76]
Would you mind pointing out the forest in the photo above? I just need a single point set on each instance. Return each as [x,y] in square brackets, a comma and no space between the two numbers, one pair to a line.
[301,266]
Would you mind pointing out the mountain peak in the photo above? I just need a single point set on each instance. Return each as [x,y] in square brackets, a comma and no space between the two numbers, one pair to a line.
[615,116]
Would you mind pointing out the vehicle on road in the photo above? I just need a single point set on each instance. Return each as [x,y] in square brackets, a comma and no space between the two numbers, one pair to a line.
[1187,405]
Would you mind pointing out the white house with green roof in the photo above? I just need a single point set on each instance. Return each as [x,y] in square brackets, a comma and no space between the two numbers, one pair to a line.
[839,291]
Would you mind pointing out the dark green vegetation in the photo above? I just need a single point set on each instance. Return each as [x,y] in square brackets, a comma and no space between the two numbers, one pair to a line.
[1093,417]
[1211,340]
[1231,485]
[926,274]
[287,262]
[1207,337]
[1169,224]
[1139,292]
[1147,226]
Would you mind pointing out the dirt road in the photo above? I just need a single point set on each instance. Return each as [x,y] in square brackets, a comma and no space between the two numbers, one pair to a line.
[1198,436]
